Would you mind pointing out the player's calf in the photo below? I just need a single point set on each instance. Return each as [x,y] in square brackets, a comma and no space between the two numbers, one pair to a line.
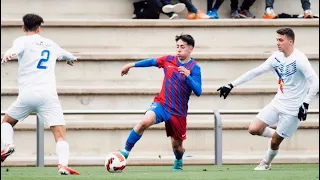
[132,139]
[276,141]
[148,120]
[258,127]
[137,131]
[142,125]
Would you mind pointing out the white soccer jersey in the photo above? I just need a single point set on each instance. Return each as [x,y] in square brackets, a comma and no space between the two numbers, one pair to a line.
[37,59]
[293,73]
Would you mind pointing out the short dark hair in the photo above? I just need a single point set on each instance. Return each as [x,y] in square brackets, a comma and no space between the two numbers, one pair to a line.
[286,31]
[31,22]
[186,38]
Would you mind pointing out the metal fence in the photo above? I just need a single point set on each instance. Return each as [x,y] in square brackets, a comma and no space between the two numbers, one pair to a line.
[216,117]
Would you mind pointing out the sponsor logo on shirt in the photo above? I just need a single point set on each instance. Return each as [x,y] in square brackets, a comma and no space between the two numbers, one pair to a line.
[284,71]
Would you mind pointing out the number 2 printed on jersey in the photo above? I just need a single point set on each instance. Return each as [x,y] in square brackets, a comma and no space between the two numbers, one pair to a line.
[45,55]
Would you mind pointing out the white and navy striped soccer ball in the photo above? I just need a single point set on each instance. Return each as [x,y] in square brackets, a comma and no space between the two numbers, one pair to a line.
[115,162]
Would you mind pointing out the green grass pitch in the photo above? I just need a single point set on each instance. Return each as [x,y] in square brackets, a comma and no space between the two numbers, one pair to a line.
[224,172]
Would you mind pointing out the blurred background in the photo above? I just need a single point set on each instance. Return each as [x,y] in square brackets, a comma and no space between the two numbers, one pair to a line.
[105,37]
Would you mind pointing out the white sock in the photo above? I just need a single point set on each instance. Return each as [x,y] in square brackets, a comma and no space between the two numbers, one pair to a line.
[270,155]
[6,133]
[62,150]
[268,132]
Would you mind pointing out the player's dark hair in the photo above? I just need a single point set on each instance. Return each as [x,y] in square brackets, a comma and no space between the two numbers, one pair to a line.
[286,31]
[31,22]
[186,38]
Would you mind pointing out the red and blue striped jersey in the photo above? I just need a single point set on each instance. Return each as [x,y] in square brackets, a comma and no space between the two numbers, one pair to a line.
[176,87]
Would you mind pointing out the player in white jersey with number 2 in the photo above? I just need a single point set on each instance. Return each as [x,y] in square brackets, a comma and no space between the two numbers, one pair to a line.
[37,89]
[298,85]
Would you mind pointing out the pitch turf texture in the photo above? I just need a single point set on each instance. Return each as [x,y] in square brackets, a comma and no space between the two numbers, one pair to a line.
[225,172]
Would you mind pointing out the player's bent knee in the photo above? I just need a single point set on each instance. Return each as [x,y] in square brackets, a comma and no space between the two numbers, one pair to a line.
[257,127]
[149,120]
[10,120]
[254,131]
[145,124]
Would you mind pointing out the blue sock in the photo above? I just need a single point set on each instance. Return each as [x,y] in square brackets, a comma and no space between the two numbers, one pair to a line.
[178,155]
[132,139]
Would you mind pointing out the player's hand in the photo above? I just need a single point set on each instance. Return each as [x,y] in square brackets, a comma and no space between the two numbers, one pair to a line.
[303,110]
[7,57]
[184,71]
[71,61]
[225,90]
[126,68]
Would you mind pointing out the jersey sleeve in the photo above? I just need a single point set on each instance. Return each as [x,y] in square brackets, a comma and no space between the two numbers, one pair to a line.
[195,81]
[17,47]
[313,88]
[63,54]
[305,67]
[267,65]
[263,68]
[161,61]
[146,63]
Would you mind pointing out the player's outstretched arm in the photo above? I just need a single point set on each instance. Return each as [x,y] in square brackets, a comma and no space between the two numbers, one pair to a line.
[143,63]
[8,56]
[193,79]
[67,56]
[263,68]
[16,49]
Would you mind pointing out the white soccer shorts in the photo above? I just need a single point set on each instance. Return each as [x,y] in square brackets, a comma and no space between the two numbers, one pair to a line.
[286,124]
[48,109]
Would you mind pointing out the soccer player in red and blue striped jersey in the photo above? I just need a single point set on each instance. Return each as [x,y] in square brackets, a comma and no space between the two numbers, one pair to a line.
[182,76]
